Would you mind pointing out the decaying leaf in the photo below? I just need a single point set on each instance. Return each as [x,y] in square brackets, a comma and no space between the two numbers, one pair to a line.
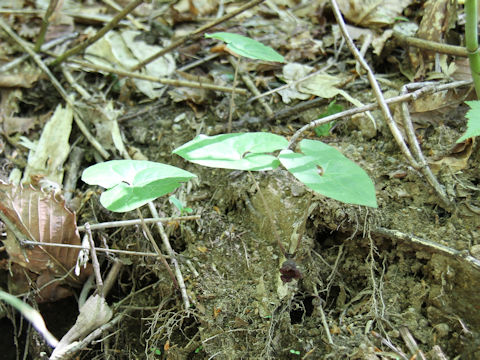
[41,217]
[18,80]
[124,50]
[196,7]
[104,117]
[93,314]
[439,16]
[456,159]
[372,12]
[53,148]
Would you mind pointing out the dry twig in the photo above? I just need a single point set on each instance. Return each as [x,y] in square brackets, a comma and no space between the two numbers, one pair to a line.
[249,83]
[81,125]
[429,89]
[164,81]
[52,5]
[386,111]
[431,245]
[421,163]
[80,47]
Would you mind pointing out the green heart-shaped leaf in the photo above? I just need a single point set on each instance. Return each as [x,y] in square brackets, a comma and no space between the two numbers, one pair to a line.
[240,151]
[325,170]
[133,183]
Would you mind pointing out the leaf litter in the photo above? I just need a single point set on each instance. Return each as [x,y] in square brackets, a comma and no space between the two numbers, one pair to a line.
[359,289]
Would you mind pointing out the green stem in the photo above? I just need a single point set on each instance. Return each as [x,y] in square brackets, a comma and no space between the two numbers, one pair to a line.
[471,40]
[45,22]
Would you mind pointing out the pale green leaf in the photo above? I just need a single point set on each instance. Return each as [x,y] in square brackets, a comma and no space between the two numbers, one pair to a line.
[473,124]
[133,183]
[239,151]
[325,170]
[247,47]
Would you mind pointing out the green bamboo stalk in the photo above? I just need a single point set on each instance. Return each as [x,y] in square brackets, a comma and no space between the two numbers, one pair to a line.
[471,42]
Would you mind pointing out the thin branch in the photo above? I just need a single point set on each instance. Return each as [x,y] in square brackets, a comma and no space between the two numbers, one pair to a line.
[236,66]
[375,87]
[156,248]
[431,245]
[431,45]
[173,259]
[80,247]
[112,224]
[130,17]
[95,263]
[46,46]
[81,125]
[471,40]
[427,89]
[80,47]
[164,81]
[251,86]
[417,152]
[45,22]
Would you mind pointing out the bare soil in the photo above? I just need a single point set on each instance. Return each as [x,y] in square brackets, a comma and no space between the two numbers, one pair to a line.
[363,287]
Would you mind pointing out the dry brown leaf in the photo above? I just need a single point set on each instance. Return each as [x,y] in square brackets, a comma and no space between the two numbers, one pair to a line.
[196,7]
[303,46]
[372,12]
[41,217]
[440,100]
[437,19]
[13,124]
[18,80]
[457,159]
[48,156]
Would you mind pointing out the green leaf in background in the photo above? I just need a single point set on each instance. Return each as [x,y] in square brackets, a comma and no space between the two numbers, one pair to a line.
[238,151]
[325,170]
[31,315]
[324,129]
[133,183]
[473,124]
[179,205]
[244,46]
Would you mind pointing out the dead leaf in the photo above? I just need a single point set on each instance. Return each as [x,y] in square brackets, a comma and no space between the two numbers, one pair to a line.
[53,148]
[18,80]
[368,13]
[438,17]
[196,7]
[104,117]
[42,217]
[93,314]
[123,50]
[303,46]
[457,159]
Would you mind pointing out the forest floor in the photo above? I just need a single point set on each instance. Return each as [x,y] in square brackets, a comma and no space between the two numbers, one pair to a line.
[395,282]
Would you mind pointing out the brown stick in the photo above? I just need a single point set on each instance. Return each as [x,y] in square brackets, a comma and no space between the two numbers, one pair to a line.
[428,89]
[164,81]
[431,45]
